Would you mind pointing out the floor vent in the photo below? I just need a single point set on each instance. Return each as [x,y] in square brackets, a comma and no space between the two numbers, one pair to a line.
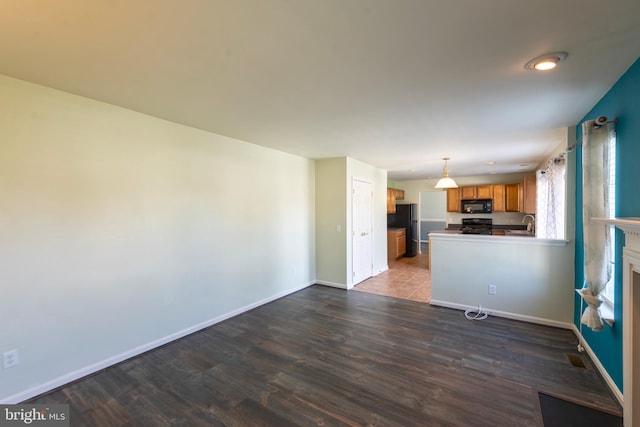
[576,361]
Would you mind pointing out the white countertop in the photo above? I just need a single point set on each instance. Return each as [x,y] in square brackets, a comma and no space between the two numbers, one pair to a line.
[456,235]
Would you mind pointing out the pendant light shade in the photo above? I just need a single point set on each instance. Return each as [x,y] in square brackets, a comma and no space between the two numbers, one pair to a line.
[445,181]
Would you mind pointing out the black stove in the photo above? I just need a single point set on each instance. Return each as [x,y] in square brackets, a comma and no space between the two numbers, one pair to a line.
[476,225]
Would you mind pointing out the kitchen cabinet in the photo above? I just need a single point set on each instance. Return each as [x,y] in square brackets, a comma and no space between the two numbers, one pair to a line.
[453,200]
[391,201]
[498,198]
[468,192]
[454,195]
[484,192]
[529,194]
[518,197]
[512,198]
[396,242]
[393,194]
[476,192]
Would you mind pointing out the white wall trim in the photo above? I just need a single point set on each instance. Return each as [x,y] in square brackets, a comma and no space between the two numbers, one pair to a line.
[505,314]
[332,284]
[607,378]
[385,268]
[110,361]
[479,238]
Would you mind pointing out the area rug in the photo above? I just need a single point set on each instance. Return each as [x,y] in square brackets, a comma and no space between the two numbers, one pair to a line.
[560,413]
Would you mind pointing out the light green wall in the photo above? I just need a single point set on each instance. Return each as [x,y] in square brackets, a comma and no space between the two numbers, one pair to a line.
[331,221]
[120,231]
[334,255]
[534,279]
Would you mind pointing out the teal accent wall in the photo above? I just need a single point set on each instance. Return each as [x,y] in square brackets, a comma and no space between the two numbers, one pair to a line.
[621,102]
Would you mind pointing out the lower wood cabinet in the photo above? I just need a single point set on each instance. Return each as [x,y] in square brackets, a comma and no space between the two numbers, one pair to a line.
[396,242]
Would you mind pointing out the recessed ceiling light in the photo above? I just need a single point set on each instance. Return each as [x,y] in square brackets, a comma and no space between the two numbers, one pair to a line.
[490,163]
[546,62]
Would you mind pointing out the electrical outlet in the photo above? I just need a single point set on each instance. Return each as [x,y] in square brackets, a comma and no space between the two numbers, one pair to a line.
[492,289]
[10,359]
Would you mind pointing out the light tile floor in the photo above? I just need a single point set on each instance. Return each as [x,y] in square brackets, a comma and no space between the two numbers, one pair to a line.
[407,278]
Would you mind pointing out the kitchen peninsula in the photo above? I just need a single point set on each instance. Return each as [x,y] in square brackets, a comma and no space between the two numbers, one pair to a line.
[532,277]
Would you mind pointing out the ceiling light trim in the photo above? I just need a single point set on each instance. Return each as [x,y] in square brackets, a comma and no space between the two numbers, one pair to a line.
[546,62]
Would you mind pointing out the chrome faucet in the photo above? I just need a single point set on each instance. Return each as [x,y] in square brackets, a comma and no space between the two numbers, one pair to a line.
[531,225]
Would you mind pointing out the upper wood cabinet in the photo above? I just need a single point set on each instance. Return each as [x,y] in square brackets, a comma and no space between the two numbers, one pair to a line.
[391,201]
[499,204]
[468,192]
[529,194]
[477,192]
[393,194]
[513,198]
[453,199]
[519,197]
[484,192]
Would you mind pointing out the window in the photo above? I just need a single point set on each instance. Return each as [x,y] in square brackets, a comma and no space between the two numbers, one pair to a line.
[608,292]
[550,200]
[598,199]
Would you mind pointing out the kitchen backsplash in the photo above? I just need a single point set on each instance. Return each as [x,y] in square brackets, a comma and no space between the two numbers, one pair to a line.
[499,218]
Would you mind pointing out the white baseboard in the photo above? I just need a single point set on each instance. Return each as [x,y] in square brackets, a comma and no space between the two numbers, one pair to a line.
[348,286]
[332,284]
[607,378]
[506,314]
[110,361]
[385,268]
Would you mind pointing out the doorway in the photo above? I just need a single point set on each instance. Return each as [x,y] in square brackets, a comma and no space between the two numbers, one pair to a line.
[406,278]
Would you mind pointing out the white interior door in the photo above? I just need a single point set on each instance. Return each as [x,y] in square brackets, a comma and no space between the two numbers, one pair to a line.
[362,236]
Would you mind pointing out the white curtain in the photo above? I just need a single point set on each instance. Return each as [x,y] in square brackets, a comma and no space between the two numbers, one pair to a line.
[595,195]
[550,200]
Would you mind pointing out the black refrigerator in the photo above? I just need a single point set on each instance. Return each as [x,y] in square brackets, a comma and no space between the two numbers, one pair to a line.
[406,216]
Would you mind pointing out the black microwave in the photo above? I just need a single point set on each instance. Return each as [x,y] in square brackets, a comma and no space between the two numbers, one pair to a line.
[476,206]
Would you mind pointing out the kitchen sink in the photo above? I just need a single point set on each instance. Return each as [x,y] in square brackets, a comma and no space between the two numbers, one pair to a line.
[519,233]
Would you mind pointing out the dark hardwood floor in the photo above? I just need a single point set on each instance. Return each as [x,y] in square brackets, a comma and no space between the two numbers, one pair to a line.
[325,356]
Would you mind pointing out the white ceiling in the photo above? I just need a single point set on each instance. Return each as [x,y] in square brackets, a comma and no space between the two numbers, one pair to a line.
[397,84]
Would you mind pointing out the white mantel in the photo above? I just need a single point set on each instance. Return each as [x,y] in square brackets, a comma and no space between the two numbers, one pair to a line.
[630,316]
[631,228]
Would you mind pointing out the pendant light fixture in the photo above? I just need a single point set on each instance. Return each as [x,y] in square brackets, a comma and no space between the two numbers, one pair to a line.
[445,181]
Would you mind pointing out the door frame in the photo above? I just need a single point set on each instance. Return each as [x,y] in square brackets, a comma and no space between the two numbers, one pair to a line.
[350,279]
